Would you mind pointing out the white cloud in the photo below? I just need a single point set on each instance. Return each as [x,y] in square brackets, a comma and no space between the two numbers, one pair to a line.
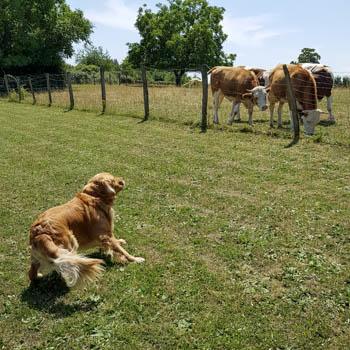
[250,31]
[116,14]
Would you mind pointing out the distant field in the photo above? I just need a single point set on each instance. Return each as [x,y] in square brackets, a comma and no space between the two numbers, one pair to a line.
[246,242]
[183,106]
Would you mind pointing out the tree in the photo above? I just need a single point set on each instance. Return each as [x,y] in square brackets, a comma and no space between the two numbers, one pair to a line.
[182,34]
[35,36]
[308,55]
[92,55]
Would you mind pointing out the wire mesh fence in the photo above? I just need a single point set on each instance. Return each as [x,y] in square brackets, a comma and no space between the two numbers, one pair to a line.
[167,101]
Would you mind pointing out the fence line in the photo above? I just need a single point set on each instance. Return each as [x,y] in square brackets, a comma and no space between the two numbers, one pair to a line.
[145,78]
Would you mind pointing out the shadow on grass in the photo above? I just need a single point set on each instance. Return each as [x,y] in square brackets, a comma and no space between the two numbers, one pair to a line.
[326,123]
[44,295]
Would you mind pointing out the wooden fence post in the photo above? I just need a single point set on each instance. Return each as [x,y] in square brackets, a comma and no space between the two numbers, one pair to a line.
[7,85]
[18,82]
[145,92]
[48,88]
[110,78]
[70,91]
[204,121]
[292,107]
[31,89]
[103,89]
[118,77]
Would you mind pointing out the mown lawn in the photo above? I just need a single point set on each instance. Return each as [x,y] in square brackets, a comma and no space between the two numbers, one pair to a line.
[246,243]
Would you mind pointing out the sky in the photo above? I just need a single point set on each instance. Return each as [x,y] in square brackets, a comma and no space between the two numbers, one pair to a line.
[262,33]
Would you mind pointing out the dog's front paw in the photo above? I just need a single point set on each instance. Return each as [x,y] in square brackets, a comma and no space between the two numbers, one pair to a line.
[122,241]
[139,260]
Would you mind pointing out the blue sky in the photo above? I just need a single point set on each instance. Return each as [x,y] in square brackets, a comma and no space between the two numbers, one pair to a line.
[261,32]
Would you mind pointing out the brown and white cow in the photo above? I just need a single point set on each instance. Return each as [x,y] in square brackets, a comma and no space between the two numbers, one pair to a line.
[263,77]
[324,83]
[238,85]
[305,91]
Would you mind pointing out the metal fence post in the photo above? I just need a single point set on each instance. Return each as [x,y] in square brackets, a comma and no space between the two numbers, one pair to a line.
[7,85]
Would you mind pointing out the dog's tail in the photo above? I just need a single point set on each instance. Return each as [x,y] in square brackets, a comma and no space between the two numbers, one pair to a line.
[75,269]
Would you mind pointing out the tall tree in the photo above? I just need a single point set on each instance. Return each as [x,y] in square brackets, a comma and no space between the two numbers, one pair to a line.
[92,55]
[308,55]
[181,34]
[36,35]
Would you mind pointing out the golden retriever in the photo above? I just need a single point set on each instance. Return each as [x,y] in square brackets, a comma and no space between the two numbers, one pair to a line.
[85,221]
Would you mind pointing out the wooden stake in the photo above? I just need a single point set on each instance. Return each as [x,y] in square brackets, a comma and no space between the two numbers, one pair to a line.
[145,92]
[204,121]
[31,89]
[70,91]
[48,88]
[103,89]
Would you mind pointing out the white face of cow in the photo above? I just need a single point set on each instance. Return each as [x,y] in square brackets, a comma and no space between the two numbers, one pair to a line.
[259,95]
[310,120]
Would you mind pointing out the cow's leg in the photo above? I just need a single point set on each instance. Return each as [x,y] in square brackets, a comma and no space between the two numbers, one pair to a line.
[250,114]
[234,111]
[329,108]
[291,121]
[237,111]
[279,112]
[217,99]
[272,110]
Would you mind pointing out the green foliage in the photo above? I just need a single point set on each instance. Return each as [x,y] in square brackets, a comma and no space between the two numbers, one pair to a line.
[92,55]
[346,81]
[36,35]
[182,34]
[342,81]
[84,73]
[308,55]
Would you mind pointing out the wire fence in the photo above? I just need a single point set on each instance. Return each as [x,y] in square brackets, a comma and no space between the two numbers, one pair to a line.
[126,94]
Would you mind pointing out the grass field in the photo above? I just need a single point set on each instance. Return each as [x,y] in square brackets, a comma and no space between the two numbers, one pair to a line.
[246,242]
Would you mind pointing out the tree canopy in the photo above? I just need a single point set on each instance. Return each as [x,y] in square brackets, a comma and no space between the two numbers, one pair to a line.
[92,55]
[36,35]
[308,55]
[181,34]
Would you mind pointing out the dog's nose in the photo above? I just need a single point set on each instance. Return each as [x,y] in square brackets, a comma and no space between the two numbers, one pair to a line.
[264,108]
[121,183]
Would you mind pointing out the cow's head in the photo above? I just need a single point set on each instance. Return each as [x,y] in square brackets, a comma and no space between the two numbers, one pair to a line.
[310,120]
[258,96]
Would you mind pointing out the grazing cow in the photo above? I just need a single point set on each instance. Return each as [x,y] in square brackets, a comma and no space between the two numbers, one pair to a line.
[324,83]
[237,85]
[304,87]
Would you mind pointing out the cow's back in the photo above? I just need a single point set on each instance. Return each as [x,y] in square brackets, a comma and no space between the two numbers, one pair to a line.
[303,83]
[232,81]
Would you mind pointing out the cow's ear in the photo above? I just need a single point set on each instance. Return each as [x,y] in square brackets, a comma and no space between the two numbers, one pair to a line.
[247,95]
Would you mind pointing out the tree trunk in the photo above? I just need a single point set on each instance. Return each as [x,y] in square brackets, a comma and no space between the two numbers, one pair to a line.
[178,75]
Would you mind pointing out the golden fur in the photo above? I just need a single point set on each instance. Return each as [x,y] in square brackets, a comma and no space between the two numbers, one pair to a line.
[85,221]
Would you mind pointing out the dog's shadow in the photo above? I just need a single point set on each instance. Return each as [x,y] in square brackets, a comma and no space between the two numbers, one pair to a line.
[45,294]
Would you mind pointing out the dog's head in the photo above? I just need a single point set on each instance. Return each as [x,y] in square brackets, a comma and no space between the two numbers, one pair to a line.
[104,186]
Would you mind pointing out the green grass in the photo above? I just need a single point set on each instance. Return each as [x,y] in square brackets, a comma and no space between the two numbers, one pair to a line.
[246,242]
